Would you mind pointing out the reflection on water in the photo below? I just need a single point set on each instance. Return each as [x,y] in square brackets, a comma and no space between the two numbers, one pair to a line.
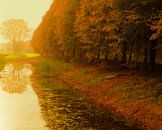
[19,106]
[67,109]
[15,78]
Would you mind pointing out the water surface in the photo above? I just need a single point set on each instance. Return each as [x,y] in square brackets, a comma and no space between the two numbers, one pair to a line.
[67,109]
[19,105]
[62,107]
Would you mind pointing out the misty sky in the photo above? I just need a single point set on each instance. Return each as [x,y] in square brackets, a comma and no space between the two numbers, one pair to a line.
[31,11]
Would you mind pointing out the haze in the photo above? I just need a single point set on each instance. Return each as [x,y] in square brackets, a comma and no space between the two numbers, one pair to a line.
[31,11]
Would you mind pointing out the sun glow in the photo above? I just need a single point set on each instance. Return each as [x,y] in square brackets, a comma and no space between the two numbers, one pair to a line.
[31,11]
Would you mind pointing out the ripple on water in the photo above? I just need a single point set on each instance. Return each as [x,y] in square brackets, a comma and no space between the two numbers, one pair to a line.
[66,109]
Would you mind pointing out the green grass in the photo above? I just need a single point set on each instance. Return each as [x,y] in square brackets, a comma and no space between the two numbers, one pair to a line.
[14,56]
[119,88]
[31,55]
[51,86]
[160,98]
[135,92]
[11,56]
[132,92]
[48,66]
[96,79]
[5,57]
[61,66]
[78,75]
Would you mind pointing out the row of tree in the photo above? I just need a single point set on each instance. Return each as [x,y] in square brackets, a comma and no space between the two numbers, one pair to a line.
[100,30]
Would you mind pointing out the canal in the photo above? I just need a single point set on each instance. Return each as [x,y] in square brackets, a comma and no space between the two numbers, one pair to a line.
[59,108]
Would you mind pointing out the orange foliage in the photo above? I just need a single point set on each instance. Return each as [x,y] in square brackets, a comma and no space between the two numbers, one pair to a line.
[88,30]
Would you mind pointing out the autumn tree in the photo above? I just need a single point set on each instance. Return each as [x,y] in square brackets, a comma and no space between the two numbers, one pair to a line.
[136,26]
[95,27]
[55,35]
[101,30]
[16,31]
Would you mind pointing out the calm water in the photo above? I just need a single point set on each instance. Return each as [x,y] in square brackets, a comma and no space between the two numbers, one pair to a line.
[19,106]
[63,108]
[67,109]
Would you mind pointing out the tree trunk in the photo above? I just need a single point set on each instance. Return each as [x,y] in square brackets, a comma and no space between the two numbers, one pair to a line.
[116,57]
[106,57]
[83,55]
[131,53]
[130,57]
[62,53]
[153,54]
[146,52]
[74,53]
[124,52]
[98,54]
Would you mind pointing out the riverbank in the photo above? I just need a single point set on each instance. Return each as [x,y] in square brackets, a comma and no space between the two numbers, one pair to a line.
[131,96]
[65,108]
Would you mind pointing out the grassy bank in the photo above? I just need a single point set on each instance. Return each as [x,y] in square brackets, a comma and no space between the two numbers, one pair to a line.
[2,61]
[18,57]
[133,96]
[6,58]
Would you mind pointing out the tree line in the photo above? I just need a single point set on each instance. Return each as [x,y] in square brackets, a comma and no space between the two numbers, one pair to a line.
[128,31]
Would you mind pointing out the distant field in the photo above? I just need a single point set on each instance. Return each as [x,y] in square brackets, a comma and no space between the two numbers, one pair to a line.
[11,56]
